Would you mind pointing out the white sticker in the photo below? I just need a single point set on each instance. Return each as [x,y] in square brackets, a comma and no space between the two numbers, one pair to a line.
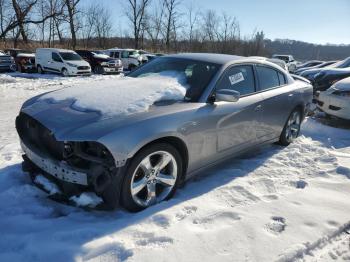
[236,78]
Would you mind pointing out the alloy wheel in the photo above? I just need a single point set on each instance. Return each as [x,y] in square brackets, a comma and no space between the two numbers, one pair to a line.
[293,126]
[154,178]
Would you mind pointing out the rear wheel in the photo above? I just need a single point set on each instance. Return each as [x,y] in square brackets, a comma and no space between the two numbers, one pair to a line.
[40,70]
[291,129]
[152,177]
[131,67]
[98,70]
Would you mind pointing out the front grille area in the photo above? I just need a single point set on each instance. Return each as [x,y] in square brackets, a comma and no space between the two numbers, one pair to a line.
[83,67]
[37,137]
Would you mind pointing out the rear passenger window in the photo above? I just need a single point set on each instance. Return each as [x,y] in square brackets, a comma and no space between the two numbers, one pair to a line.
[238,78]
[282,79]
[268,77]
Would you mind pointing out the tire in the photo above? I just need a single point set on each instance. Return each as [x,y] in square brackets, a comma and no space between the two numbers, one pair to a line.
[64,72]
[40,70]
[131,67]
[98,70]
[291,129]
[152,183]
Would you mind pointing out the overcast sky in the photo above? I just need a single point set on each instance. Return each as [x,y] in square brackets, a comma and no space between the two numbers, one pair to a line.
[315,21]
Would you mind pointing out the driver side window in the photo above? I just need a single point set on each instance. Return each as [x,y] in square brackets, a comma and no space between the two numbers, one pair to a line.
[56,57]
[238,78]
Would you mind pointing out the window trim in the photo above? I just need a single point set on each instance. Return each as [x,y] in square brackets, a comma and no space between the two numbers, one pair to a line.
[226,70]
[259,90]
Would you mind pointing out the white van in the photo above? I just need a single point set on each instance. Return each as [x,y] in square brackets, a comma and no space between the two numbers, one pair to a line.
[62,61]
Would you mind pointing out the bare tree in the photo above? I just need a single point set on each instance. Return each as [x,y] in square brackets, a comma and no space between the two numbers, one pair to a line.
[153,24]
[21,17]
[72,11]
[135,11]
[171,16]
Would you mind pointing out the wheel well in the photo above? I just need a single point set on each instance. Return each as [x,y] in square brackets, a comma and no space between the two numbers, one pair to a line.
[180,147]
[300,107]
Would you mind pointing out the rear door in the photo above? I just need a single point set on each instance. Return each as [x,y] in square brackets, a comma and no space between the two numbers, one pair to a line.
[276,106]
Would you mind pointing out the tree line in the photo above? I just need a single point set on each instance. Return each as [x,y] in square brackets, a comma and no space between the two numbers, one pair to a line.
[155,25]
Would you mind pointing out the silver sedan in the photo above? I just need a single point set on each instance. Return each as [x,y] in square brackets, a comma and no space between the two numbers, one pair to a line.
[233,104]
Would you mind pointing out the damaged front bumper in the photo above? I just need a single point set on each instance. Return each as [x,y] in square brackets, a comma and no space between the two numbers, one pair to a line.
[59,170]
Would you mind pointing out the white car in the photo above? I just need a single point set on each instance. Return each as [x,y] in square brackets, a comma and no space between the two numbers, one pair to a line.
[289,60]
[61,61]
[276,61]
[335,101]
[130,58]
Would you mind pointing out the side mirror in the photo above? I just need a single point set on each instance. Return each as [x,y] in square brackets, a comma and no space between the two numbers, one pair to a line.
[227,95]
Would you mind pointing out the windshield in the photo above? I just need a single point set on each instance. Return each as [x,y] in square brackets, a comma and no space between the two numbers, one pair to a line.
[196,74]
[284,58]
[70,56]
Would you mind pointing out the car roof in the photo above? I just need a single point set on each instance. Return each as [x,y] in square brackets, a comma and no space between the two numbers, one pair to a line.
[56,49]
[209,57]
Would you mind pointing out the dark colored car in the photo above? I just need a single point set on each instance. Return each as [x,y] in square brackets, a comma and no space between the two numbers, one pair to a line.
[6,62]
[101,63]
[322,65]
[24,60]
[326,78]
[311,73]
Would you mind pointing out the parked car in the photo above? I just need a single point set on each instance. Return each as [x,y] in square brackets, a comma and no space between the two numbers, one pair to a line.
[61,61]
[276,61]
[311,73]
[6,62]
[289,60]
[15,51]
[326,78]
[232,104]
[101,63]
[25,62]
[335,101]
[309,64]
[324,64]
[129,57]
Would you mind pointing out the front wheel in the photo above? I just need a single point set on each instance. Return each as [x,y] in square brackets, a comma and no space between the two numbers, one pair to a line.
[152,177]
[291,129]
[40,70]
[64,72]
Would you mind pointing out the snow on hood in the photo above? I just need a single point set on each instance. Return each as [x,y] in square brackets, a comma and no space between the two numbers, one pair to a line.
[123,96]
[343,84]
[101,56]
[26,55]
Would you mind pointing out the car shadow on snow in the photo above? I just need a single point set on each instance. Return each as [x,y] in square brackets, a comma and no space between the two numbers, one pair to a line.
[47,230]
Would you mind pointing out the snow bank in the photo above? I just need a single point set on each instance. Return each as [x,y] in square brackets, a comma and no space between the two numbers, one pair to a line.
[124,96]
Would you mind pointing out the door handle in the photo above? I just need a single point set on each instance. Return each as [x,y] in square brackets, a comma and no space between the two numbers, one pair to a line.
[258,108]
[290,95]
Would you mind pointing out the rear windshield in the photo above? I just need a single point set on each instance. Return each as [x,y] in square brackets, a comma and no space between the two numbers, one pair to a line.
[70,56]
[196,74]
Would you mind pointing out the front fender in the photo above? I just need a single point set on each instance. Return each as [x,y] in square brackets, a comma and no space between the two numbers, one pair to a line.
[125,142]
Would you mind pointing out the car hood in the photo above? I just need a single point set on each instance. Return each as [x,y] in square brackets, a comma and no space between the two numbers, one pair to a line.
[343,85]
[73,124]
[78,63]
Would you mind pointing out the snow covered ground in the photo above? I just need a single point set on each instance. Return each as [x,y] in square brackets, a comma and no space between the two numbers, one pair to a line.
[277,204]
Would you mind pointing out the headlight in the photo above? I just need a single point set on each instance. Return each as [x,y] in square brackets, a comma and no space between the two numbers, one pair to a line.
[72,65]
[104,64]
[342,93]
